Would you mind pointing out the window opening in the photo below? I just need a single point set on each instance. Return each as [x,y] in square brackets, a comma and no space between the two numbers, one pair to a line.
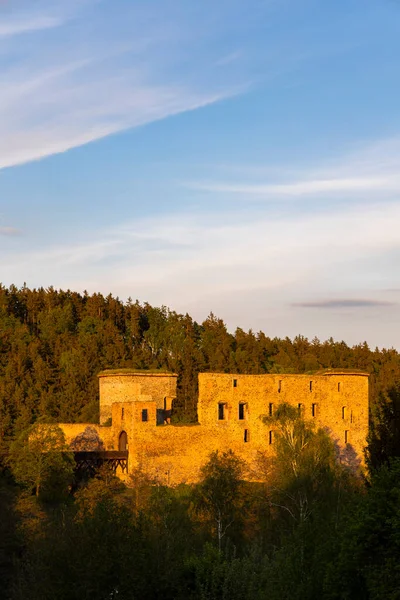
[271,437]
[279,386]
[145,415]
[271,409]
[246,435]
[346,437]
[343,412]
[242,411]
[235,383]
[338,387]
[300,408]
[314,410]
[311,386]
[122,413]
[221,411]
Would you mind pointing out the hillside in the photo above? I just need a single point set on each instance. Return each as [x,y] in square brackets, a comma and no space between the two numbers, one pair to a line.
[53,343]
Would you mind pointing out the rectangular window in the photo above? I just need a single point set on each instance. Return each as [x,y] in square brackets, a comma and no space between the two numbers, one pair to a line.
[235,383]
[242,411]
[300,408]
[314,408]
[346,437]
[271,437]
[343,412]
[279,386]
[221,411]
[145,415]
[271,409]
[310,386]
[122,413]
[338,387]
[246,437]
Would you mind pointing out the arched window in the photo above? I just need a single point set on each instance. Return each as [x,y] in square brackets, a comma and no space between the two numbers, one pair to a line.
[123,441]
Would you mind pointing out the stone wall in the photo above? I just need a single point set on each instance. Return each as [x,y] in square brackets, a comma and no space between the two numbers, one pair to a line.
[124,385]
[337,401]
[87,436]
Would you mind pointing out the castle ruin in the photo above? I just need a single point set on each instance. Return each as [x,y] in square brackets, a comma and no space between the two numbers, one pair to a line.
[135,410]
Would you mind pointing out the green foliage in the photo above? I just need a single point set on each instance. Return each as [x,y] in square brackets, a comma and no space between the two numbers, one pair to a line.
[91,556]
[146,541]
[367,564]
[384,435]
[313,531]
[304,479]
[222,576]
[10,539]
[218,495]
[104,489]
[40,460]
[309,492]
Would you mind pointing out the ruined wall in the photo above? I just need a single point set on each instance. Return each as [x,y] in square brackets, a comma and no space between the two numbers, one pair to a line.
[87,436]
[174,454]
[128,417]
[170,454]
[337,401]
[124,385]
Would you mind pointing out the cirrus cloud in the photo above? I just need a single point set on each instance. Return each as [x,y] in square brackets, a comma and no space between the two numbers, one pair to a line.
[60,92]
[27,25]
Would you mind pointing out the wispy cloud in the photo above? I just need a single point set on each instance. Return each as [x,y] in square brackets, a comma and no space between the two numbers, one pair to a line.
[63,92]
[304,187]
[370,170]
[229,58]
[343,303]
[171,257]
[17,26]
[96,120]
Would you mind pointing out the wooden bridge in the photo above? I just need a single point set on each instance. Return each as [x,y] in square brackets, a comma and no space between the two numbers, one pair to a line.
[87,463]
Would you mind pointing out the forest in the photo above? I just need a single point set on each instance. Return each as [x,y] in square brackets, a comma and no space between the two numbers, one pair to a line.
[314,529]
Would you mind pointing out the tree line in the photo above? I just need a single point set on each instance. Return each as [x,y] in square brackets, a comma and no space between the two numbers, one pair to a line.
[54,342]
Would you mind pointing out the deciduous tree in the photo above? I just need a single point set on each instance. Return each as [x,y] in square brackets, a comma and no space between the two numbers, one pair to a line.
[41,461]
[218,494]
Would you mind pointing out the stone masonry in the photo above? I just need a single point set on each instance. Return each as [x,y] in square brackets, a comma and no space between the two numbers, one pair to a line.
[135,409]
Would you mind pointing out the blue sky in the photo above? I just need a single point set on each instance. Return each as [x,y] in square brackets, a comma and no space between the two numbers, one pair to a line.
[240,157]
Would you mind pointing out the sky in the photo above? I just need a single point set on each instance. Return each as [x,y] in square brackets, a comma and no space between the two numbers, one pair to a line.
[240,157]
